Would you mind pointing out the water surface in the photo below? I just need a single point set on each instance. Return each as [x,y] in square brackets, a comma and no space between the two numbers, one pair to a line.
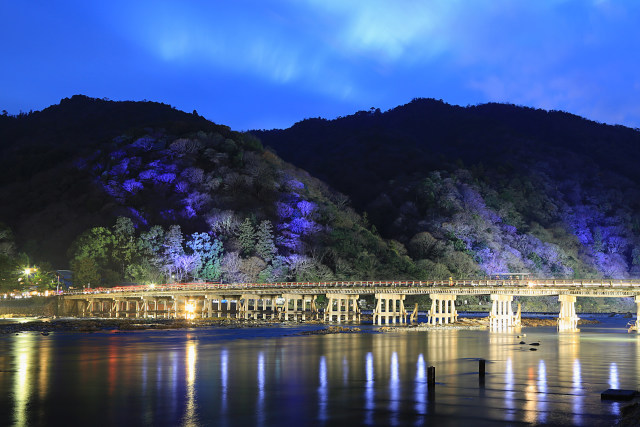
[265,377]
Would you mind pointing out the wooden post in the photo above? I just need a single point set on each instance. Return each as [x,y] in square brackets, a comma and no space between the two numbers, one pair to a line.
[431,375]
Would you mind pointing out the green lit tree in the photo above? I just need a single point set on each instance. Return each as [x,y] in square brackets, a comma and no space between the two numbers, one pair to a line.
[85,272]
[247,237]
[265,246]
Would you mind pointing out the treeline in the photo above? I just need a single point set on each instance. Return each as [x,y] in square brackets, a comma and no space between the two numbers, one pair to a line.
[513,189]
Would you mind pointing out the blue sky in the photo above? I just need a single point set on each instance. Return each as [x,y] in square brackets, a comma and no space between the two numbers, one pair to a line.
[263,64]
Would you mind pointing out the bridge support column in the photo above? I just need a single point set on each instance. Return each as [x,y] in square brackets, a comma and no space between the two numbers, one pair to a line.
[390,307]
[568,319]
[335,305]
[637,300]
[502,316]
[207,307]
[438,313]
[250,306]
[296,306]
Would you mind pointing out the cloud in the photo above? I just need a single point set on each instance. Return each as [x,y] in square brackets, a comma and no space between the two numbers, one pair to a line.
[390,30]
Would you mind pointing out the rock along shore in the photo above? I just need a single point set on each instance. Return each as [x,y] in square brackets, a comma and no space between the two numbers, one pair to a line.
[47,325]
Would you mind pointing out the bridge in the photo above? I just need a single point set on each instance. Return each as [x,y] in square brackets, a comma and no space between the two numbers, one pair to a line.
[299,300]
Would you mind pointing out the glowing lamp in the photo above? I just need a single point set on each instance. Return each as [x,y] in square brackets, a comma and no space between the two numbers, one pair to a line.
[190,308]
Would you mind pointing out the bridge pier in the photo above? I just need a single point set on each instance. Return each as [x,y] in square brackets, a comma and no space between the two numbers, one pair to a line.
[297,306]
[443,309]
[216,306]
[637,300]
[249,306]
[502,316]
[393,309]
[335,305]
[567,319]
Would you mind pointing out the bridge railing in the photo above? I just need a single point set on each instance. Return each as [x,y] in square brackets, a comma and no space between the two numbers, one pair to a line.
[199,286]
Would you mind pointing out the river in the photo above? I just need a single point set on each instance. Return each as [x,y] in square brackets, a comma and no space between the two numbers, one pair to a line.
[267,376]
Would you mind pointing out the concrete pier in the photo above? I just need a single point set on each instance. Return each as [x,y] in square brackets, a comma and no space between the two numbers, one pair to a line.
[298,307]
[443,309]
[389,307]
[502,316]
[567,319]
[342,308]
[254,306]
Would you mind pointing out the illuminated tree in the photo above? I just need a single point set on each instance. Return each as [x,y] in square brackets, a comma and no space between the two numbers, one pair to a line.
[265,246]
[85,272]
[209,256]
[247,237]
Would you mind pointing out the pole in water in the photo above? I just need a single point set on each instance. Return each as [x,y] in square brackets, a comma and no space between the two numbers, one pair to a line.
[481,372]
[431,375]
[431,383]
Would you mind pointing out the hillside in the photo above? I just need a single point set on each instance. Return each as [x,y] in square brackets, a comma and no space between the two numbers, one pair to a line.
[484,189]
[138,191]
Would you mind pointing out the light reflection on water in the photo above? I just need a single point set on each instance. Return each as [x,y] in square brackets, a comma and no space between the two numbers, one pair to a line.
[394,389]
[194,378]
[322,390]
[369,390]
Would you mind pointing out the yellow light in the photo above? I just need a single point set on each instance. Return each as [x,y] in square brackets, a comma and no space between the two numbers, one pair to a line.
[152,285]
[190,308]
[27,271]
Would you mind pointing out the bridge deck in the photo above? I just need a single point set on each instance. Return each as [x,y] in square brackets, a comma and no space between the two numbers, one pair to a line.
[539,287]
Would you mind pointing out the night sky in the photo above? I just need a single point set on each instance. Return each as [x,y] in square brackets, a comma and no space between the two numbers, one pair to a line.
[264,64]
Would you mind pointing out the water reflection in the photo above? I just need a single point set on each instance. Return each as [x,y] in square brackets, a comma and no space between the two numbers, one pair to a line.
[374,379]
[260,406]
[577,392]
[369,390]
[23,353]
[531,397]
[542,391]
[508,390]
[420,389]
[224,376]
[190,417]
[345,371]
[613,376]
[394,389]
[322,390]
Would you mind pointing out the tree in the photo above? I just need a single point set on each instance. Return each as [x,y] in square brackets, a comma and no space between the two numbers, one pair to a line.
[265,246]
[231,268]
[172,249]
[95,243]
[247,237]
[209,256]
[424,246]
[8,273]
[85,272]
[124,242]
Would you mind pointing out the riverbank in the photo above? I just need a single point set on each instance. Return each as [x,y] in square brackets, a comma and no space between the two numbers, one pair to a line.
[47,325]
[479,323]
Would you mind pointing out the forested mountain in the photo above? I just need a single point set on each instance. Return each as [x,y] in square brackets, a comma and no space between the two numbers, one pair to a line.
[484,189]
[124,191]
[139,191]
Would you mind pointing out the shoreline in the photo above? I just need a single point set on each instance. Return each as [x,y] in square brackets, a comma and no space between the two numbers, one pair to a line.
[46,325]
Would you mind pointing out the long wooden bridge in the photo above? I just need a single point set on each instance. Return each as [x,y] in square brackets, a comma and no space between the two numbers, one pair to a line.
[299,300]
